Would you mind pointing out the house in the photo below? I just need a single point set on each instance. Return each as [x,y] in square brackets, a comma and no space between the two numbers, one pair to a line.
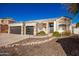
[75,29]
[4,24]
[50,25]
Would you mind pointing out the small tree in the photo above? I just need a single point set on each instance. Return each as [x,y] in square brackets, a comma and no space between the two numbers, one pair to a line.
[77,25]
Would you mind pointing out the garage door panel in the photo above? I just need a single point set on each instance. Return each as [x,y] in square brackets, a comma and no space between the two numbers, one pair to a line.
[30,30]
[15,29]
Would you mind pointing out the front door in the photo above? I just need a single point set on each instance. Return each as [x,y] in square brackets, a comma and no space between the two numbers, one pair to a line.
[30,30]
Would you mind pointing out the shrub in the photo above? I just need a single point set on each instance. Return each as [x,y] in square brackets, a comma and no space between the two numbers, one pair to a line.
[56,34]
[66,33]
[41,33]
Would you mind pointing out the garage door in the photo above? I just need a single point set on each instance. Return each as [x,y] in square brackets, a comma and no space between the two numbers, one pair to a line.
[15,29]
[4,28]
[30,30]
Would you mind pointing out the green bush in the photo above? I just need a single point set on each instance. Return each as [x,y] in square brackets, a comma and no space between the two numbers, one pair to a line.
[41,33]
[56,34]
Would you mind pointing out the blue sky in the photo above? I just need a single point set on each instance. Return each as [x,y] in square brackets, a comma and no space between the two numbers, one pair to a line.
[25,12]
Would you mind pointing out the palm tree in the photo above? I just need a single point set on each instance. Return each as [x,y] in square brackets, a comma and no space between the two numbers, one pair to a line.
[73,8]
[77,25]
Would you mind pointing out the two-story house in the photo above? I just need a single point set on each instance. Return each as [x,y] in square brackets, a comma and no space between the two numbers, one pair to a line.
[33,27]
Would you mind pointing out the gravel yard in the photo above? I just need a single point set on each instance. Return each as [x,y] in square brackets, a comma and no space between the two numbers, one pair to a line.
[45,49]
[57,47]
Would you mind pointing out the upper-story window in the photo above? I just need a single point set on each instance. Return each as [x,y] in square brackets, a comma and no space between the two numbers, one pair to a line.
[2,21]
[11,21]
[51,25]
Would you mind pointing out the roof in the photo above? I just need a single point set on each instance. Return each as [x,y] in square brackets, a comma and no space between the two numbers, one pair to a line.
[7,19]
[36,21]
[66,17]
[42,20]
[49,19]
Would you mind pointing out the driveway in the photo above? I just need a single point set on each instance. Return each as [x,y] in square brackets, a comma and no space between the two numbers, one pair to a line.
[6,39]
[10,38]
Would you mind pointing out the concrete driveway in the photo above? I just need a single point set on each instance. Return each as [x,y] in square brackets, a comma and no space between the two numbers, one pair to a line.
[6,39]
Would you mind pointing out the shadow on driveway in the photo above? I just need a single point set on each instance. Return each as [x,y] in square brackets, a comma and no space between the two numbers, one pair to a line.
[70,45]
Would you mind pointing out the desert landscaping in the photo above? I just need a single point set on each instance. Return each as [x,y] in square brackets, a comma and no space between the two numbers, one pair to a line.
[55,47]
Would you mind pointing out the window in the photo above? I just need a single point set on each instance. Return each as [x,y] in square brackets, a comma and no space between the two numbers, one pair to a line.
[2,21]
[51,24]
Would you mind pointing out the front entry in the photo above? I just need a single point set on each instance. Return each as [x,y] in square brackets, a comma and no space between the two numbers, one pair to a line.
[30,30]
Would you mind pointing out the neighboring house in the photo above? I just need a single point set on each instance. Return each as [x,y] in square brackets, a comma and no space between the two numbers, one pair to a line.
[47,25]
[4,24]
[74,29]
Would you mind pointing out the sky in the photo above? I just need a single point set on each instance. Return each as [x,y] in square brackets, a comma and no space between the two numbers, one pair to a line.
[34,11]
